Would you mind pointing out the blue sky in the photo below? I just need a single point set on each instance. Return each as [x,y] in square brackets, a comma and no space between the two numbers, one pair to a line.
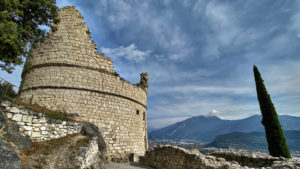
[199,54]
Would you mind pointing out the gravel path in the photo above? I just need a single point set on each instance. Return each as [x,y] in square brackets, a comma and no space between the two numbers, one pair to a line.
[125,166]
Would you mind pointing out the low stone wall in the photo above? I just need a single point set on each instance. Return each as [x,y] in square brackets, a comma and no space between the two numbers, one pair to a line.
[257,159]
[170,157]
[36,125]
[89,155]
[246,159]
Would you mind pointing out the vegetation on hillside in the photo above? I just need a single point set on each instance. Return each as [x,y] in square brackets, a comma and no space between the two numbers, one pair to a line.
[55,153]
[253,141]
[6,90]
[276,142]
[20,22]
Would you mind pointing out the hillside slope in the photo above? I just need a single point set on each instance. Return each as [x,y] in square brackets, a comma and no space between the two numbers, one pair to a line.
[205,129]
[253,140]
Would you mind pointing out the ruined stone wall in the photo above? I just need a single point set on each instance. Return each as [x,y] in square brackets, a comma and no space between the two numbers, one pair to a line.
[68,74]
[38,126]
[170,157]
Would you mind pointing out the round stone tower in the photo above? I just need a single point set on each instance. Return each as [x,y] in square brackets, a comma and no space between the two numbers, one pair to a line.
[65,72]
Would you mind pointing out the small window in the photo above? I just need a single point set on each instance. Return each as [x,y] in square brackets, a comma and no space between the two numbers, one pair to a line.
[137,112]
[144,116]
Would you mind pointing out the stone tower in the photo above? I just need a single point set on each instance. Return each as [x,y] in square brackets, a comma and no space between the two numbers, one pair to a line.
[66,73]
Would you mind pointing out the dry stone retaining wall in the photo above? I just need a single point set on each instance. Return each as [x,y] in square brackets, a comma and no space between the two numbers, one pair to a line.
[36,125]
[89,155]
[68,74]
[170,157]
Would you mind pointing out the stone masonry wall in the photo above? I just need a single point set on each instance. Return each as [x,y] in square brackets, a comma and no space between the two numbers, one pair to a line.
[36,125]
[170,157]
[68,74]
[89,155]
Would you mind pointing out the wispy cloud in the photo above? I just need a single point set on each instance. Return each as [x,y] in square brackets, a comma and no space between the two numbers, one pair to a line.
[130,52]
[199,54]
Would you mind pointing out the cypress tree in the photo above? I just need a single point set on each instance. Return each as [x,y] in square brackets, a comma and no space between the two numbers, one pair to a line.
[276,142]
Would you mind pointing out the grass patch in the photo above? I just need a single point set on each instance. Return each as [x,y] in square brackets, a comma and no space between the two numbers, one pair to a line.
[48,113]
[81,143]
[38,167]
[46,146]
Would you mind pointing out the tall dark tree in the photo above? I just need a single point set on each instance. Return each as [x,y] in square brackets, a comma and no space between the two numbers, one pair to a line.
[276,142]
[19,28]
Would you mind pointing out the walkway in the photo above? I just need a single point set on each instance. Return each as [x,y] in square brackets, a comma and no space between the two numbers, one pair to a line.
[126,166]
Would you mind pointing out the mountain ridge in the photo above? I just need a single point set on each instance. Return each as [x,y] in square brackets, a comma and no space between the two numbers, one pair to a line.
[206,128]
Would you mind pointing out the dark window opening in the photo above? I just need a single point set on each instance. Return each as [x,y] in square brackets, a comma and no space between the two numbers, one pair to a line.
[137,112]
[144,116]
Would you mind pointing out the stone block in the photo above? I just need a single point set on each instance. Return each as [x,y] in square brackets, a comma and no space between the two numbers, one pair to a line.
[43,128]
[17,117]
[36,134]
[23,111]
[9,115]
[27,128]
[21,123]
[5,103]
[64,123]
[35,121]
[14,110]
[27,119]
[45,132]
[28,124]
[36,129]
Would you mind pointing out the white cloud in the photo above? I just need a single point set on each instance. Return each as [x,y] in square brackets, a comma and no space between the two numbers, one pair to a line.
[193,89]
[130,52]
[224,28]
[142,17]
[223,21]
[213,112]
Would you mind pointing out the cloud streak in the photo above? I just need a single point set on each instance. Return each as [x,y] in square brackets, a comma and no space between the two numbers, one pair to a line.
[130,52]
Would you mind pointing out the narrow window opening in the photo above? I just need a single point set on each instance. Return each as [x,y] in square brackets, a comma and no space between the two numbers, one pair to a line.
[137,112]
[144,116]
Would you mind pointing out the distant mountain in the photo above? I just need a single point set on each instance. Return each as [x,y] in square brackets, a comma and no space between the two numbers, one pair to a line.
[205,129]
[253,140]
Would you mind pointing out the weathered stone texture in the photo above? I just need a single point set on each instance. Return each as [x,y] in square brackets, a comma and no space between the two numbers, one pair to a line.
[170,157]
[37,126]
[68,74]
